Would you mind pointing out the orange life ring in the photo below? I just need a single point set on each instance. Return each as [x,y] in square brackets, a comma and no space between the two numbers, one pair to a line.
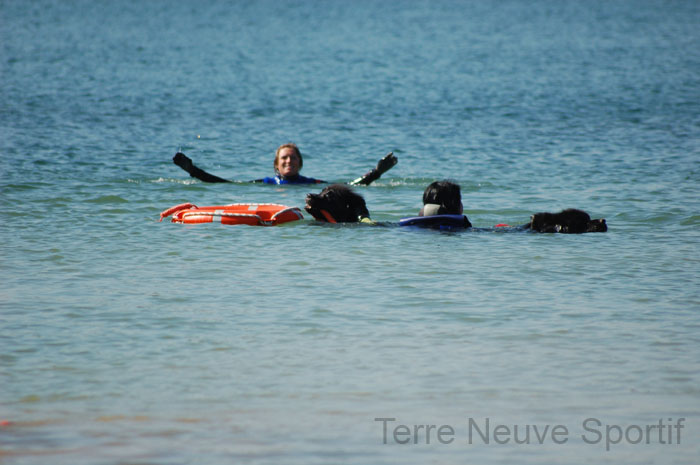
[253,214]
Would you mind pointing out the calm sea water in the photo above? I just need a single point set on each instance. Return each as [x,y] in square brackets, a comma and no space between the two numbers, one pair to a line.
[124,340]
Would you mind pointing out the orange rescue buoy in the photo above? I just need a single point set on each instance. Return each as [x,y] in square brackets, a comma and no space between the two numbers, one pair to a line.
[253,214]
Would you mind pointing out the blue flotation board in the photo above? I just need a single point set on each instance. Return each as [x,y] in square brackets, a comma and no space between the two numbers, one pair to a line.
[437,222]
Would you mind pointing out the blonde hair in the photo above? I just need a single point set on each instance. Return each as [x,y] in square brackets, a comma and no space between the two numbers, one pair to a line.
[289,145]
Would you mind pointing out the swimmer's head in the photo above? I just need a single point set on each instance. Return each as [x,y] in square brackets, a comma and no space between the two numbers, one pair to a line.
[288,160]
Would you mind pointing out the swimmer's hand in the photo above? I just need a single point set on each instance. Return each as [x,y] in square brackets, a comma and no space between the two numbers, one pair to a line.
[387,163]
[384,165]
[183,161]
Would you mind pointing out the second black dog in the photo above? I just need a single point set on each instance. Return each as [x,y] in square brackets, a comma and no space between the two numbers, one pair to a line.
[569,221]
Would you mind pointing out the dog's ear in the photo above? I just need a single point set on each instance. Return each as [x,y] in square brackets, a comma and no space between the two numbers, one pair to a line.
[355,206]
[361,209]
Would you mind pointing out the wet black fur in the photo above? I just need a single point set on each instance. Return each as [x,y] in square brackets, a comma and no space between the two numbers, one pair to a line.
[569,221]
[344,205]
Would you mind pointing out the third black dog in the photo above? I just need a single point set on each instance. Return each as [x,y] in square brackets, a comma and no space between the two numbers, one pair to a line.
[569,221]
[337,204]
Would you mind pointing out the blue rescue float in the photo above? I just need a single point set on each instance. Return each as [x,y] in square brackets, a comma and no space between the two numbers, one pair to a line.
[437,222]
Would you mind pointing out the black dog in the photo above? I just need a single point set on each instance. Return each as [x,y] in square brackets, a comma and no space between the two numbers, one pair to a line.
[569,221]
[337,204]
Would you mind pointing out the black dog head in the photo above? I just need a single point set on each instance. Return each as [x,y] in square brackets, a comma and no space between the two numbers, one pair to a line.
[337,204]
[597,225]
[569,221]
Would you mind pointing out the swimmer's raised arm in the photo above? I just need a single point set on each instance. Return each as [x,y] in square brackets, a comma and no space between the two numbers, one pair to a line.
[384,165]
[287,164]
[184,162]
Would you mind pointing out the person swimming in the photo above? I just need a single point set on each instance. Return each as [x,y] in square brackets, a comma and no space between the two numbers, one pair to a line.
[287,164]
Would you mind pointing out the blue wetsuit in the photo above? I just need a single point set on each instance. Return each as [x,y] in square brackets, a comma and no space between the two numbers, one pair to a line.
[184,162]
[298,179]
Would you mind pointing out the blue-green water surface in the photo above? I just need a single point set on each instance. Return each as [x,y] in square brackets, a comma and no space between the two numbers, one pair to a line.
[124,340]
